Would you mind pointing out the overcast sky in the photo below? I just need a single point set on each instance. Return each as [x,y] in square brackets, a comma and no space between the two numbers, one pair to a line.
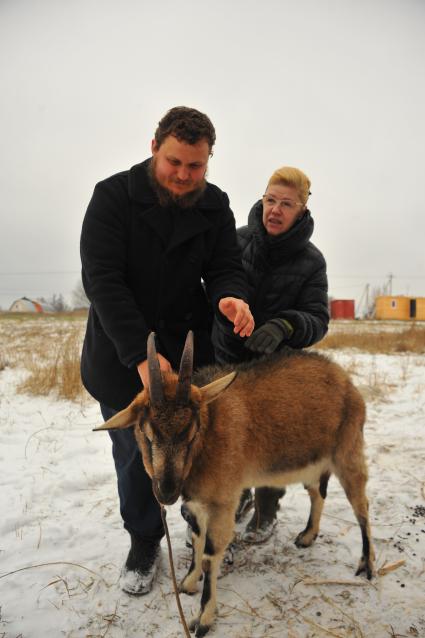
[334,87]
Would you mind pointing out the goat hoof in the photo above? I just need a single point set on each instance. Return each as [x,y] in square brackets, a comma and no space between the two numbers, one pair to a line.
[199,629]
[194,624]
[304,539]
[366,568]
[184,589]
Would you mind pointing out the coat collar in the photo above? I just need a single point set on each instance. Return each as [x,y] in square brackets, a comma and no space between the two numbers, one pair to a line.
[188,223]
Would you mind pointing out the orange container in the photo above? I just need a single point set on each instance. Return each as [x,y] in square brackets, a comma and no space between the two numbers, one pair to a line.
[396,307]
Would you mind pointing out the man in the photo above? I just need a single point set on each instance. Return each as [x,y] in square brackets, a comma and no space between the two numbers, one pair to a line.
[150,235]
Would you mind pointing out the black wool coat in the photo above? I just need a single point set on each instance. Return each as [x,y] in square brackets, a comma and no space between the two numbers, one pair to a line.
[142,267]
[286,279]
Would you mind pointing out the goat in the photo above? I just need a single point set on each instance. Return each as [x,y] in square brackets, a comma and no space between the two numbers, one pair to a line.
[289,418]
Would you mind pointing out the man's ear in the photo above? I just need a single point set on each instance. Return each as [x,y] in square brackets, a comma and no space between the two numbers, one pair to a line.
[154,146]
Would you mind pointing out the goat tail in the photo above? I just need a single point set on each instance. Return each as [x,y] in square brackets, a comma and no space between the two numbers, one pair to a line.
[349,451]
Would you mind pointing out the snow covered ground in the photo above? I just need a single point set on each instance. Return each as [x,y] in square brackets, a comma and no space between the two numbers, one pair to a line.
[62,543]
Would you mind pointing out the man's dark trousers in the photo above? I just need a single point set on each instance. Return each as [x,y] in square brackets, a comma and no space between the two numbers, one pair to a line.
[138,506]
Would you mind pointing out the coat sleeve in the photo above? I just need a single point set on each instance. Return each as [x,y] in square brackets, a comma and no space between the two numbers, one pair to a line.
[103,250]
[224,275]
[310,315]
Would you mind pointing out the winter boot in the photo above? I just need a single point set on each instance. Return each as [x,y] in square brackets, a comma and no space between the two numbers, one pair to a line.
[263,521]
[245,504]
[141,566]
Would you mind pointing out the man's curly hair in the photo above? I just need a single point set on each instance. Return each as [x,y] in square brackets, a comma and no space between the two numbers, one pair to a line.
[187,125]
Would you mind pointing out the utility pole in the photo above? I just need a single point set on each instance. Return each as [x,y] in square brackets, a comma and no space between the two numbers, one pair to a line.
[367,301]
[390,284]
[363,306]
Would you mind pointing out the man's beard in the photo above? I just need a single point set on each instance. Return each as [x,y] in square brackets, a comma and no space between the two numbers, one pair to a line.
[168,198]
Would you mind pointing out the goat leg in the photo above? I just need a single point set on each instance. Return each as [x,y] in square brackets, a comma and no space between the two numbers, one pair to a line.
[354,484]
[196,517]
[317,494]
[219,534]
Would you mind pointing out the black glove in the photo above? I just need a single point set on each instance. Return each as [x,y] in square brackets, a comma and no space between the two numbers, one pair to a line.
[266,339]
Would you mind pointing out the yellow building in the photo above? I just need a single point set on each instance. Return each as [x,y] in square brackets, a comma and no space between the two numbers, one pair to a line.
[400,308]
[420,308]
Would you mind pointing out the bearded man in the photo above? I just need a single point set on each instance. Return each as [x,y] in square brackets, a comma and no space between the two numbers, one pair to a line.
[159,253]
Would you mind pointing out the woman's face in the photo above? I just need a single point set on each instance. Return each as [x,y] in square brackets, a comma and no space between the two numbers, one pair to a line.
[281,208]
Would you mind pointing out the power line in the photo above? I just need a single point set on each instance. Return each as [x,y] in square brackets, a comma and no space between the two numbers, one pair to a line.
[78,272]
[43,272]
[375,276]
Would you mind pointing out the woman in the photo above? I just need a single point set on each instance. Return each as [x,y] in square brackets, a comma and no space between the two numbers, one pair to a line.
[287,296]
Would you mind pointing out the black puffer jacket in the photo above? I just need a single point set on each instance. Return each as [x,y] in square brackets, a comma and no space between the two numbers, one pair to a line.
[287,279]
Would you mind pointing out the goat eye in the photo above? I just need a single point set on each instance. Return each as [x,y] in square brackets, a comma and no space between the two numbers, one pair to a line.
[147,430]
[187,434]
[191,434]
[147,433]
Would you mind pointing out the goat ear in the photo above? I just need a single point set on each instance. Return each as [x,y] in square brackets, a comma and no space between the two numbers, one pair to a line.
[124,419]
[212,390]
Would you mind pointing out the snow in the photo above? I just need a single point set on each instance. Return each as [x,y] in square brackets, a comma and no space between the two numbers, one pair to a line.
[62,545]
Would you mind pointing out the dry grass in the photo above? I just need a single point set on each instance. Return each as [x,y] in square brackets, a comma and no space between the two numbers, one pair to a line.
[60,374]
[3,361]
[412,339]
[49,346]
[377,388]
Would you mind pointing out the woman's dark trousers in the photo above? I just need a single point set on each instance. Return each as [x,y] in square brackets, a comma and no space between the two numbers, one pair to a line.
[267,503]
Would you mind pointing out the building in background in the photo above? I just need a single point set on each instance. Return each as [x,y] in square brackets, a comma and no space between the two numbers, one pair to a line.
[30,305]
[342,309]
[400,308]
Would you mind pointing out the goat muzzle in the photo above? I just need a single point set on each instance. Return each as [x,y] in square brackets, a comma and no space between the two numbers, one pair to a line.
[164,495]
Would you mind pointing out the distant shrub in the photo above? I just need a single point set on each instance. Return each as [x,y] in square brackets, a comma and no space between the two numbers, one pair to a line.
[49,347]
[410,340]
[60,373]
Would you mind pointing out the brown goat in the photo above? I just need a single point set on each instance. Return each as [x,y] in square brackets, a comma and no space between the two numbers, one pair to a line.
[289,418]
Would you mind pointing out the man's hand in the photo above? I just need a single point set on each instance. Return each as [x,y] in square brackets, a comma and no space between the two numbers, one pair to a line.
[143,370]
[238,312]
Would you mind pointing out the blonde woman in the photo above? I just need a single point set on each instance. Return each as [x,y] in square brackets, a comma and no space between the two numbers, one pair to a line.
[287,295]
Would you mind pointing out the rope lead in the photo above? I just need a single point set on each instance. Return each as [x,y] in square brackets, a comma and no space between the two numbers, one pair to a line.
[173,573]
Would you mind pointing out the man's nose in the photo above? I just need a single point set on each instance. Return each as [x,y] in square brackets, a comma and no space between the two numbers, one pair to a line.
[183,173]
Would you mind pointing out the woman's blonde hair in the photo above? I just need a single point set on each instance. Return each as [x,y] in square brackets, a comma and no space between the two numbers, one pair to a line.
[290,176]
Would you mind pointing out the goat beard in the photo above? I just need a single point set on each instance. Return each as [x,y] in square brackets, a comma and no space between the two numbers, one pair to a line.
[168,198]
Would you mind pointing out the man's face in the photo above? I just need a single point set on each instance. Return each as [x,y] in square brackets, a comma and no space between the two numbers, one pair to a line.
[178,167]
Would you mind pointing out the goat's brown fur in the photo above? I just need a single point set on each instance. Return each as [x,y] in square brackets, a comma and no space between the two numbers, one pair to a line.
[286,419]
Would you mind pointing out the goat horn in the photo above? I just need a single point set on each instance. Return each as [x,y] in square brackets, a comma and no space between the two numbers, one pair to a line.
[185,372]
[156,390]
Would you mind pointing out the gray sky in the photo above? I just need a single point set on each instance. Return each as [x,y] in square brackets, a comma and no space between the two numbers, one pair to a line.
[334,87]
